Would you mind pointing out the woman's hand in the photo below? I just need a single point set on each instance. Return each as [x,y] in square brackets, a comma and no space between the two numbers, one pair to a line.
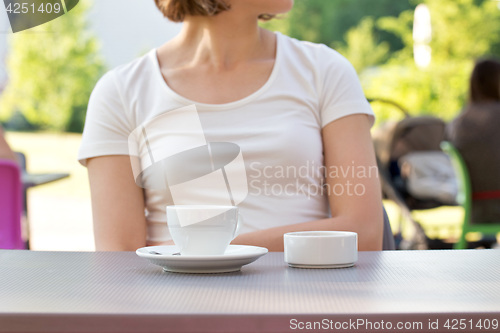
[355,197]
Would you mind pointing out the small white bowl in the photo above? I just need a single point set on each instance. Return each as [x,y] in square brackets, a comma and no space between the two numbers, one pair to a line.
[321,249]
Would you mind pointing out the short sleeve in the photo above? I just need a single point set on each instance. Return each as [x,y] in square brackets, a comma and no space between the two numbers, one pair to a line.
[340,90]
[106,128]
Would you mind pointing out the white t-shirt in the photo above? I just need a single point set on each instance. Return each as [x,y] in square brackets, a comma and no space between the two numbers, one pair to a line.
[278,129]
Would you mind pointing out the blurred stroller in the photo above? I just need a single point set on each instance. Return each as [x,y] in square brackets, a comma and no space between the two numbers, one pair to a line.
[415,174]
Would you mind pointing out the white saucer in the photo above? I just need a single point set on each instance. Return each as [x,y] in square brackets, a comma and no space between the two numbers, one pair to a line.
[322,266]
[232,260]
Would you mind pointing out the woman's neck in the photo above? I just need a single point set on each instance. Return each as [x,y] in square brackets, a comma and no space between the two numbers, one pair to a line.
[222,43]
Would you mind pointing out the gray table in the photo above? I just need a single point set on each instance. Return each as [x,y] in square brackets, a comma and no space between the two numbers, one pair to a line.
[36,179]
[120,292]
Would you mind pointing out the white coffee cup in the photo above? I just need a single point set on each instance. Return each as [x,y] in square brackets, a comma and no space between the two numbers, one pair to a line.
[321,249]
[203,229]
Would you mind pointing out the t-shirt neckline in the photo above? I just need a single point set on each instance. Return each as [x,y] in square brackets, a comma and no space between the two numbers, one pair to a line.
[153,56]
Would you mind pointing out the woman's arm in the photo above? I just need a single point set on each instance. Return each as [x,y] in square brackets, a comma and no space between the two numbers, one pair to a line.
[347,143]
[5,151]
[117,205]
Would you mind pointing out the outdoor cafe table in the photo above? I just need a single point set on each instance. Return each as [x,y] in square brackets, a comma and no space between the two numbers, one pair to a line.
[421,291]
[36,179]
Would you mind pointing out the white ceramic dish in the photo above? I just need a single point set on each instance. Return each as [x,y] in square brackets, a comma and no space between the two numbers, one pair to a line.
[203,229]
[321,266]
[321,249]
[232,260]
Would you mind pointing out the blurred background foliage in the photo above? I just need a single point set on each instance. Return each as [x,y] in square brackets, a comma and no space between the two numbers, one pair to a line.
[377,37]
[51,74]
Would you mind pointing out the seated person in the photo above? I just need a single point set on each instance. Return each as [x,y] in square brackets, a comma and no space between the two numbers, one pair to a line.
[475,134]
[288,105]
[5,151]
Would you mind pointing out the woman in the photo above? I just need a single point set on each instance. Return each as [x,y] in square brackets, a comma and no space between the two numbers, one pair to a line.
[288,105]
[475,134]
[5,151]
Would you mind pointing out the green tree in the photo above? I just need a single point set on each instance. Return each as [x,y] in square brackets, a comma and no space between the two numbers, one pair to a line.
[363,48]
[327,21]
[52,73]
[463,31]
[345,25]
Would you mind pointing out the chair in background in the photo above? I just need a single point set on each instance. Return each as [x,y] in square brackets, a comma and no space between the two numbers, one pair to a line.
[388,242]
[464,198]
[10,206]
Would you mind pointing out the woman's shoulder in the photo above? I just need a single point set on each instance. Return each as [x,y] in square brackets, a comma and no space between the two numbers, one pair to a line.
[489,108]
[475,119]
[480,113]
[135,69]
[317,53]
[128,75]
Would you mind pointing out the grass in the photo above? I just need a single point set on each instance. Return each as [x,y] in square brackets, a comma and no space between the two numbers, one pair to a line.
[439,223]
[60,213]
[51,152]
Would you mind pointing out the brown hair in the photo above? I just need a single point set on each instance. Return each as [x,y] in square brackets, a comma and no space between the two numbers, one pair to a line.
[177,10]
[485,81]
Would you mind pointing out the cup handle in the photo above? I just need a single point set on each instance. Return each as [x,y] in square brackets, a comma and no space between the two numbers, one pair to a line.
[238,226]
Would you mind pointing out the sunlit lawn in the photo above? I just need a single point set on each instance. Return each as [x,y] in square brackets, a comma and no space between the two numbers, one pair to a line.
[440,223]
[60,212]
[47,152]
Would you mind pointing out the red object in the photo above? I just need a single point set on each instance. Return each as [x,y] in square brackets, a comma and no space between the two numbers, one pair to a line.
[486,195]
